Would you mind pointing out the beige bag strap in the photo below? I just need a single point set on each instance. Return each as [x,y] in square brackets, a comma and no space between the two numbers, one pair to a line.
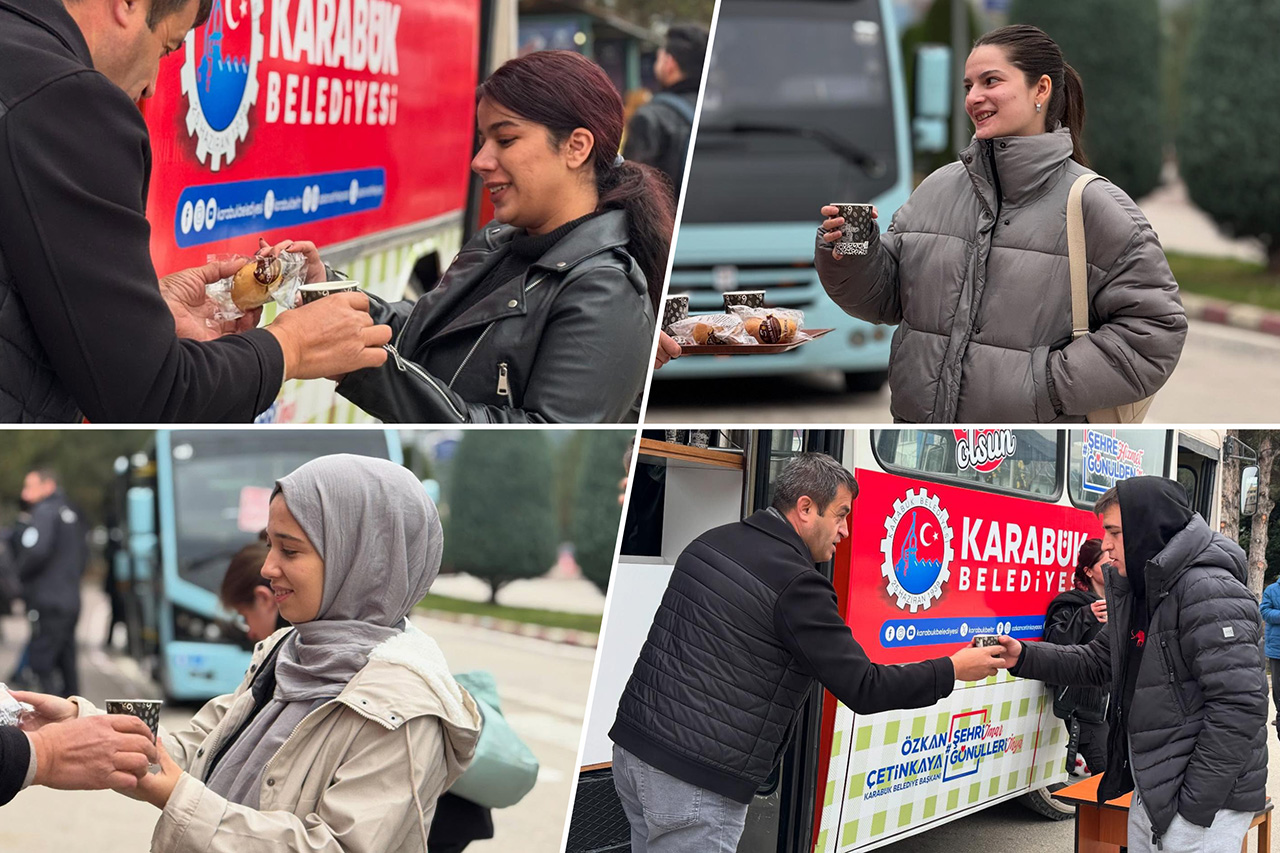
[1076,257]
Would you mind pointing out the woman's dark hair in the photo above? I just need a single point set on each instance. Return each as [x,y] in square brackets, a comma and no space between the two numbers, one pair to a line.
[564,91]
[1031,51]
[1090,551]
[244,573]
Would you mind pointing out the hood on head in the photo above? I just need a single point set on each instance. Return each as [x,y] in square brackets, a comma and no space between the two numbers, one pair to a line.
[1152,511]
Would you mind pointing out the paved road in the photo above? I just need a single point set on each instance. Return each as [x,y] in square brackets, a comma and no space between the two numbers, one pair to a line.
[543,687]
[1226,376]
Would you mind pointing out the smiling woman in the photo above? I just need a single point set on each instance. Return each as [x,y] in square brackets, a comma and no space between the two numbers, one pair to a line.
[547,314]
[974,269]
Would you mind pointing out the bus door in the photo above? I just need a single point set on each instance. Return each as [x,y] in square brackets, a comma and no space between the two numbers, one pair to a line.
[1197,471]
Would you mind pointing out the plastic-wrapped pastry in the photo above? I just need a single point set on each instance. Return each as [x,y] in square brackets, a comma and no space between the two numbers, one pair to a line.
[255,282]
[772,329]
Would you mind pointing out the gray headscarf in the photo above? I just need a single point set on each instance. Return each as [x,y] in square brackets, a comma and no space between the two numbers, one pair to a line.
[381,541]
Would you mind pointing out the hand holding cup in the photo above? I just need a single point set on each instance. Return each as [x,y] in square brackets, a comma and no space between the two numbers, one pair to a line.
[834,226]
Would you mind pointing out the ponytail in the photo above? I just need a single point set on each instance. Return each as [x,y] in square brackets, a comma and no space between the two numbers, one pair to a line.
[645,194]
[1072,116]
[1031,51]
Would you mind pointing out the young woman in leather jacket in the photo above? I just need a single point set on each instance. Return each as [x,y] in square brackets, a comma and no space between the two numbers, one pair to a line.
[974,268]
[547,313]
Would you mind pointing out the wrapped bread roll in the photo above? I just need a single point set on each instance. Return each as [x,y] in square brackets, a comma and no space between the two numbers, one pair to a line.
[771,328]
[254,282]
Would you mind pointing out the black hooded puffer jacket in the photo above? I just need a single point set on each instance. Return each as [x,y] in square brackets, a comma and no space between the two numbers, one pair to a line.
[1195,723]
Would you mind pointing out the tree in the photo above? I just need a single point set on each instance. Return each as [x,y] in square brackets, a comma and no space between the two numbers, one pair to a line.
[1116,49]
[1229,122]
[596,512]
[501,524]
[1231,468]
[1258,528]
[84,460]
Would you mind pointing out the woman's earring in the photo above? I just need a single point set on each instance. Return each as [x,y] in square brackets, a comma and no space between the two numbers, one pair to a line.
[1037,108]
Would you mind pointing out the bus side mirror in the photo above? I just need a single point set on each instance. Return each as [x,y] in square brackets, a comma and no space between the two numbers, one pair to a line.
[1249,490]
[933,97]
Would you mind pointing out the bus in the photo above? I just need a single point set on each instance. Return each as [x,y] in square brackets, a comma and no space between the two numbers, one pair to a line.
[804,104]
[347,124]
[955,532]
[185,504]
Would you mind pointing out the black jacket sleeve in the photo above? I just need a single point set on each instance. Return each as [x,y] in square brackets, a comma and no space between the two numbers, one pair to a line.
[74,167]
[807,620]
[1068,666]
[15,758]
[645,138]
[1069,626]
[590,368]
[41,532]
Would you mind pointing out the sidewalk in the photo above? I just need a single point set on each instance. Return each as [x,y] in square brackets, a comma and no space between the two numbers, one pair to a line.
[1184,228]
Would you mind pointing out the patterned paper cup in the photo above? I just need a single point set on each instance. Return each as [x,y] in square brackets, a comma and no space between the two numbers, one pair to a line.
[855,235]
[747,298]
[674,309]
[147,710]
[308,293]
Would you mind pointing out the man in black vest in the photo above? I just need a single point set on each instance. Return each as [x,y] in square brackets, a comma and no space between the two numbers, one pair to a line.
[659,132]
[745,627]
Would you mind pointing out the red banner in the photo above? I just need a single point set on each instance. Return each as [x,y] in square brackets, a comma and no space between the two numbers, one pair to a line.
[933,565]
[323,120]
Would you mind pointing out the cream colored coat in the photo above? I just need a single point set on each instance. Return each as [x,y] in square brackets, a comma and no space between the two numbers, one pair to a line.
[360,774]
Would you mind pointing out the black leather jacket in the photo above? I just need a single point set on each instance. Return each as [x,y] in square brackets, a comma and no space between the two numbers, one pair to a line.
[567,341]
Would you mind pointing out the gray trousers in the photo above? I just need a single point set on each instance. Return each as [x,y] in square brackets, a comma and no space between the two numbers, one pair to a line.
[671,816]
[1224,836]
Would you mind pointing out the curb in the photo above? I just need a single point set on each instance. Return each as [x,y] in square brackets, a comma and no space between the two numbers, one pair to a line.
[564,636]
[1237,314]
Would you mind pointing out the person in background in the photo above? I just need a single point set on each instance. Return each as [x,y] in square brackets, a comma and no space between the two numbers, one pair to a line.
[249,594]
[1074,618]
[51,558]
[660,132]
[1270,609]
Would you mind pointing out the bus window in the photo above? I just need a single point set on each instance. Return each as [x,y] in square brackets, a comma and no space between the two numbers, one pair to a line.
[1098,458]
[1022,461]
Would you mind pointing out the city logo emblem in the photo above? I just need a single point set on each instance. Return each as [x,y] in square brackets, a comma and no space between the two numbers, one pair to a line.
[917,550]
[220,78]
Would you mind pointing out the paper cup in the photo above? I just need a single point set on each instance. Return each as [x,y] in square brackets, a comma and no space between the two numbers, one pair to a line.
[674,309]
[147,710]
[308,293]
[986,640]
[746,298]
[855,235]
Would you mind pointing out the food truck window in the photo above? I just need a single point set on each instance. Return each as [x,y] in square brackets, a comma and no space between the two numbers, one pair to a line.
[1020,461]
[1099,458]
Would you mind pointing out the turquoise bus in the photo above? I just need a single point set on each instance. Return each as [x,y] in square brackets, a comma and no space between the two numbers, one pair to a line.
[804,104]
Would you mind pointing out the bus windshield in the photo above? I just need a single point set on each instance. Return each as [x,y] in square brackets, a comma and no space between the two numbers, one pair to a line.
[797,110]
[222,482]
[1024,461]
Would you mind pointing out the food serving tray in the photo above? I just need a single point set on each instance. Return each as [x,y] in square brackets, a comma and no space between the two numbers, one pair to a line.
[748,349]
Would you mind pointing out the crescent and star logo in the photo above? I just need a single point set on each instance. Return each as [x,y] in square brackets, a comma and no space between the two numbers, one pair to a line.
[917,550]
[220,78]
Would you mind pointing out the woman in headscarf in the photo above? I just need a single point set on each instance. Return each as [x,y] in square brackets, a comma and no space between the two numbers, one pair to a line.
[348,726]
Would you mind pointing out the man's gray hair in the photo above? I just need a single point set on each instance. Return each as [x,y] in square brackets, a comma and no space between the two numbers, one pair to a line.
[814,474]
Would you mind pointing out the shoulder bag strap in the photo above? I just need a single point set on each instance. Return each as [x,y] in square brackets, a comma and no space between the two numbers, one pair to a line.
[1076,257]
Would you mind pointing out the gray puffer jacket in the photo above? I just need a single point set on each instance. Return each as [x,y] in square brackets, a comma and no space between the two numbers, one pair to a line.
[974,271]
[1196,727]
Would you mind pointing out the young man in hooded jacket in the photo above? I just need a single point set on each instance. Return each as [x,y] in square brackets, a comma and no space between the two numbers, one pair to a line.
[1182,652]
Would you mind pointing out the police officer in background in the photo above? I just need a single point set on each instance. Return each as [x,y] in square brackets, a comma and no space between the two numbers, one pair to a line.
[51,557]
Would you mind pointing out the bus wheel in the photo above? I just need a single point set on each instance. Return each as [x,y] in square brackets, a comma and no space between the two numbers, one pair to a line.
[867,381]
[1042,803]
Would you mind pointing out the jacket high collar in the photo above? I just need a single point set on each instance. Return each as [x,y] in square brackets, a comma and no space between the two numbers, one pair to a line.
[52,16]
[1025,166]
[779,528]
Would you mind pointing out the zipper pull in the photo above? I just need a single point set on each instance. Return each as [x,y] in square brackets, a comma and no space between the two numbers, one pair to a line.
[504,387]
[1156,839]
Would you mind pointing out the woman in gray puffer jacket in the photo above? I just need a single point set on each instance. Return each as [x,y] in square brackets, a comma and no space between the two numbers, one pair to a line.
[974,268]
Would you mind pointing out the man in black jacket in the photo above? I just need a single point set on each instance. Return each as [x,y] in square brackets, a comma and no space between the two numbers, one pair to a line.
[91,753]
[659,132]
[745,627]
[86,330]
[1182,652]
[51,558]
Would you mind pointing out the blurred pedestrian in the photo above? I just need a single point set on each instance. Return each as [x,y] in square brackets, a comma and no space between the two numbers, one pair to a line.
[52,554]
[1074,618]
[249,594]
[1182,653]
[974,272]
[1271,622]
[660,131]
